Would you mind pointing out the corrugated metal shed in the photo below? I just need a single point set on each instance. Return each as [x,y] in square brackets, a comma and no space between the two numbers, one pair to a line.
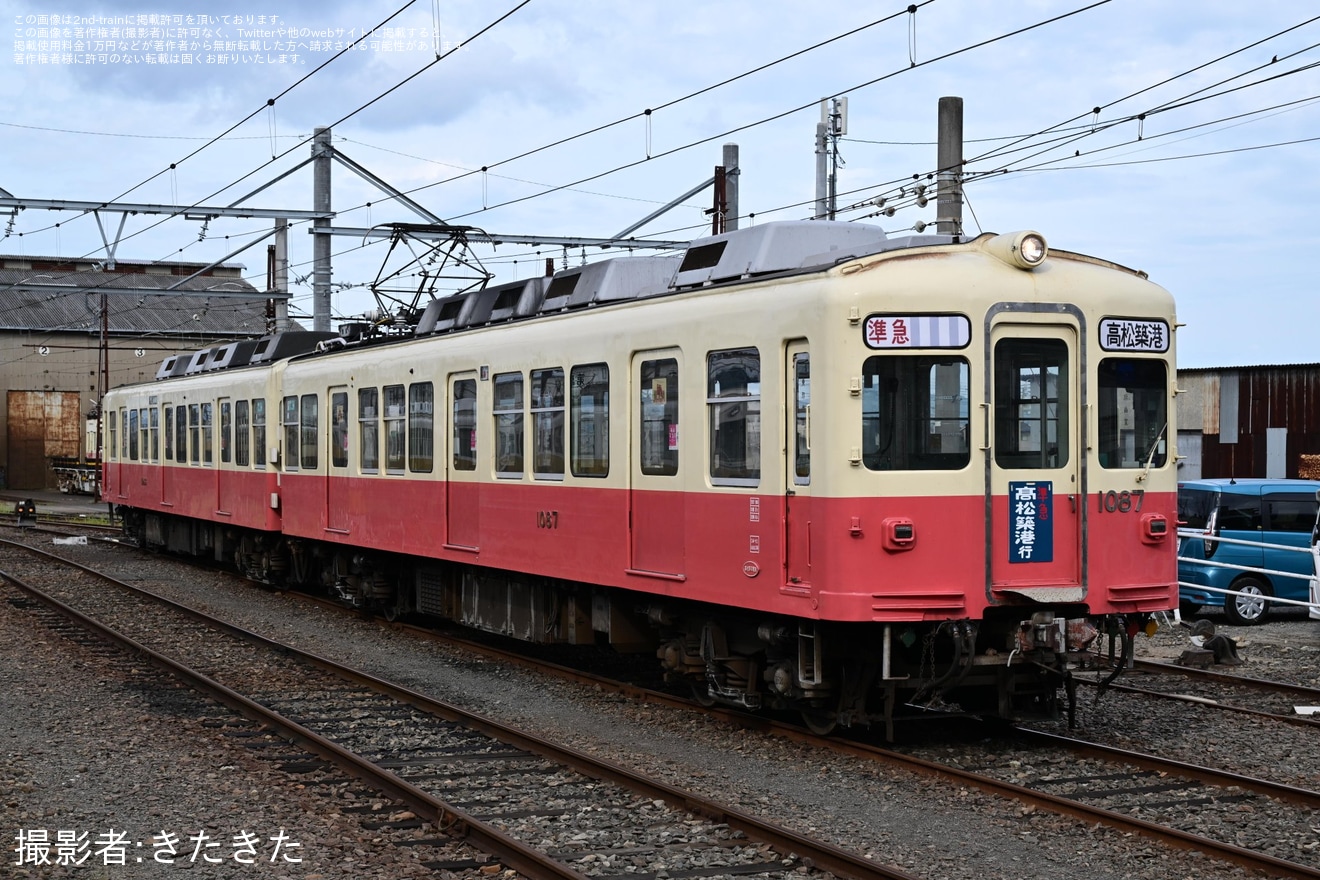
[49,294]
[1256,421]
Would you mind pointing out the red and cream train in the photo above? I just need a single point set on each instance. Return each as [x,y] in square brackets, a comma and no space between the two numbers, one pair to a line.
[811,466]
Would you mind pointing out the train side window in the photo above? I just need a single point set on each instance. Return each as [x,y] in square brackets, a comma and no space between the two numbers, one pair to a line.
[733,398]
[421,427]
[123,435]
[169,433]
[1031,403]
[589,420]
[464,399]
[509,425]
[154,415]
[659,413]
[394,429]
[369,430]
[132,435]
[289,419]
[226,430]
[1132,418]
[309,437]
[259,431]
[801,415]
[242,434]
[206,434]
[143,421]
[195,432]
[339,429]
[915,413]
[113,445]
[548,424]
[181,434]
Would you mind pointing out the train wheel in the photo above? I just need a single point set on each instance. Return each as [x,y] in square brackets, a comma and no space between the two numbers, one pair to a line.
[821,722]
[701,693]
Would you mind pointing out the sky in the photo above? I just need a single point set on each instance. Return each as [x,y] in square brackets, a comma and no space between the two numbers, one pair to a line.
[1198,168]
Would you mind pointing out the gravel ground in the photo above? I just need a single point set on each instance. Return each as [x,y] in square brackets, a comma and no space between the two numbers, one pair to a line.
[85,751]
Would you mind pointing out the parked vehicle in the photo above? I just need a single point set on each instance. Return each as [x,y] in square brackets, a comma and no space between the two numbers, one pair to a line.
[1271,514]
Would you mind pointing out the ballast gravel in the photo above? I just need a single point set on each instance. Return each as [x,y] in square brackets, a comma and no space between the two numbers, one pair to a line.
[86,748]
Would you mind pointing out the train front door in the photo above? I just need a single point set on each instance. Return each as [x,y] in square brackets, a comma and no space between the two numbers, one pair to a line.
[655,498]
[797,479]
[1035,474]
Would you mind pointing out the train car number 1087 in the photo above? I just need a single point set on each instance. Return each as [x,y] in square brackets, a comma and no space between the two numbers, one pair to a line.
[547,519]
[1120,502]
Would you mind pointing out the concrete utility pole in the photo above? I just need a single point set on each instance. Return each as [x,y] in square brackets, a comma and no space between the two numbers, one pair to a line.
[280,275]
[730,187]
[949,161]
[833,125]
[321,153]
[822,174]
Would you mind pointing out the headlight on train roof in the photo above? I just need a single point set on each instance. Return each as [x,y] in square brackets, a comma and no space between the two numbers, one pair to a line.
[1025,250]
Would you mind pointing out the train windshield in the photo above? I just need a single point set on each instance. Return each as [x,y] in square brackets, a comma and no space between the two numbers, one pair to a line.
[915,412]
[1133,419]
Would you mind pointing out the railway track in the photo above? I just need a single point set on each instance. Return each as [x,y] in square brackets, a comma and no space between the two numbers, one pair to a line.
[541,809]
[1227,692]
[1179,803]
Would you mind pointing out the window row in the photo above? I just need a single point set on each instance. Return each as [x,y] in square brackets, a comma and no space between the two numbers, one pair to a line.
[916,410]
[916,415]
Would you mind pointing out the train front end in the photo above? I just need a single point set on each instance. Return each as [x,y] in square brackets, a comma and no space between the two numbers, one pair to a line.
[1011,509]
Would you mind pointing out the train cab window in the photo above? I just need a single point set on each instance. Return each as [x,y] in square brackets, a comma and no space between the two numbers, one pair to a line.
[421,427]
[1132,418]
[659,412]
[339,429]
[226,430]
[169,433]
[915,413]
[369,430]
[195,432]
[289,420]
[589,420]
[464,399]
[1031,403]
[132,435]
[548,424]
[154,415]
[123,434]
[206,434]
[394,429]
[242,434]
[509,425]
[180,434]
[259,431]
[733,398]
[308,433]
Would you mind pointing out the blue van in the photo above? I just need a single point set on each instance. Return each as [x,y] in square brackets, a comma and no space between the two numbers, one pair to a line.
[1266,511]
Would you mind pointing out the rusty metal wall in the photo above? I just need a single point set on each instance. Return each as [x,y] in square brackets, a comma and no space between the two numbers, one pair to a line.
[67,362]
[1267,397]
[42,425]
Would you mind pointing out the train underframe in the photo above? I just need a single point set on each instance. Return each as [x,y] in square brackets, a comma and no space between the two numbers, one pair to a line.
[1014,663]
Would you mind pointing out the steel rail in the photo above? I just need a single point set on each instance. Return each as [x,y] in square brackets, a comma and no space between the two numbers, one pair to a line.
[1056,804]
[1296,720]
[448,819]
[1228,678]
[513,853]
